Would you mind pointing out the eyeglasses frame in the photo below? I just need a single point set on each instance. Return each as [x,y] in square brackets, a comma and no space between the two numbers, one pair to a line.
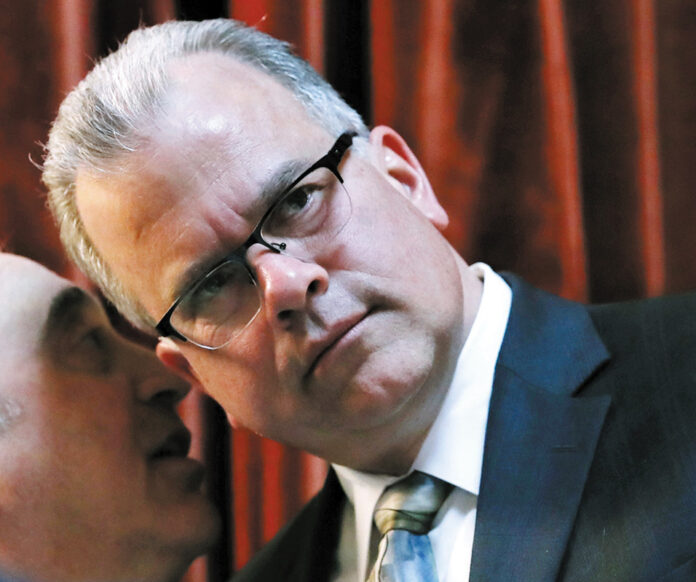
[330,161]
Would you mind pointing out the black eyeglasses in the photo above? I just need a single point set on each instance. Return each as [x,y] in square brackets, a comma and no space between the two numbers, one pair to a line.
[304,219]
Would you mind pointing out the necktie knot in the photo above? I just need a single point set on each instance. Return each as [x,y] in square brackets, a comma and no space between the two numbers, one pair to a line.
[411,504]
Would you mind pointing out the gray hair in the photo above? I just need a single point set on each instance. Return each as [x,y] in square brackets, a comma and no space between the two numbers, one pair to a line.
[105,118]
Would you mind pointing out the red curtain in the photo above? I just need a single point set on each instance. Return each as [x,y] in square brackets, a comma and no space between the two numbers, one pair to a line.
[559,134]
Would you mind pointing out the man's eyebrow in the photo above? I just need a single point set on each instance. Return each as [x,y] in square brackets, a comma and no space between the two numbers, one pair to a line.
[272,187]
[282,178]
[66,311]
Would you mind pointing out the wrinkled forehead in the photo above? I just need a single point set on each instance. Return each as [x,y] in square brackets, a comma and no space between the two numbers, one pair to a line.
[27,291]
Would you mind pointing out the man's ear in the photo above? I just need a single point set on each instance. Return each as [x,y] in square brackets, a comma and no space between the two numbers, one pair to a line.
[393,156]
[233,422]
[170,355]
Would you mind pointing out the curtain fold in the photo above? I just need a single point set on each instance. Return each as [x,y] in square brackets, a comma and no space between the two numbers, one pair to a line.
[644,65]
[560,135]
[560,145]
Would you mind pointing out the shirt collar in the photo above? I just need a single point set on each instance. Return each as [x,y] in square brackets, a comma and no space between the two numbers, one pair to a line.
[453,449]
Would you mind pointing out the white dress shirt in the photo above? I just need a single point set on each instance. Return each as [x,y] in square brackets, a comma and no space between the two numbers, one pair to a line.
[452,451]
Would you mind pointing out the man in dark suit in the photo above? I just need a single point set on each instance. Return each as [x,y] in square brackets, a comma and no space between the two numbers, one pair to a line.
[95,483]
[224,197]
[589,467]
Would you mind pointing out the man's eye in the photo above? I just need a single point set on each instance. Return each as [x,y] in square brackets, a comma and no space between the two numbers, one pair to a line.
[91,352]
[217,282]
[219,288]
[297,200]
[92,339]
[212,285]
[293,211]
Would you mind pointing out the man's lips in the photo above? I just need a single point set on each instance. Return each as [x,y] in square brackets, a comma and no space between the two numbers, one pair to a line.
[170,460]
[320,347]
[175,444]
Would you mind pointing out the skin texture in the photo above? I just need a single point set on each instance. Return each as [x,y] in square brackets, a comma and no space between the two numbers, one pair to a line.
[84,494]
[353,350]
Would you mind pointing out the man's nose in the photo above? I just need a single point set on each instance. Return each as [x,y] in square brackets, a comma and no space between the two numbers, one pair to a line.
[155,384]
[287,284]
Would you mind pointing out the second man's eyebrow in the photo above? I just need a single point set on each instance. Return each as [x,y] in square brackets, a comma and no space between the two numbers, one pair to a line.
[66,312]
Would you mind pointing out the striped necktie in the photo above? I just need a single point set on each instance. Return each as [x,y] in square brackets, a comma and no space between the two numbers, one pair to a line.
[404,515]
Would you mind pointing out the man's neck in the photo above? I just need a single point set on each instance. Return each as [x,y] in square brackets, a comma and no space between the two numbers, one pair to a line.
[404,441]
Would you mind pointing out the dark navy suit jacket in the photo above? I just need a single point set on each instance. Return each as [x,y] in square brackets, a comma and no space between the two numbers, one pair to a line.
[589,468]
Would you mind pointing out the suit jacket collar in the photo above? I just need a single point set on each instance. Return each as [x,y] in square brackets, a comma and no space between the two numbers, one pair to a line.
[539,441]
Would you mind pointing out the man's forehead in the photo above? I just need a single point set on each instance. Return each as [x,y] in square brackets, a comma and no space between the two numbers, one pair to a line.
[27,292]
[25,284]
[207,75]
[217,94]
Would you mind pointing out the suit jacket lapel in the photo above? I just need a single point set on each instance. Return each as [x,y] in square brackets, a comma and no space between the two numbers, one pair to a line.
[539,440]
[315,555]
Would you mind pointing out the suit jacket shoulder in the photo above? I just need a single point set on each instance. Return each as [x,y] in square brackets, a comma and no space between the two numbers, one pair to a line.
[304,550]
[590,457]
[655,333]
[637,520]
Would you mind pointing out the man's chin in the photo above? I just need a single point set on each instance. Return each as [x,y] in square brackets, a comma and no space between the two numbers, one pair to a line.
[193,531]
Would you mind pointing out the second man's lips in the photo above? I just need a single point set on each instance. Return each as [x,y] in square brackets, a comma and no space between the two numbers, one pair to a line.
[174,444]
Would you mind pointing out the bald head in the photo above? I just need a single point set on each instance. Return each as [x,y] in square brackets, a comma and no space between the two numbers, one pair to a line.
[23,295]
[26,291]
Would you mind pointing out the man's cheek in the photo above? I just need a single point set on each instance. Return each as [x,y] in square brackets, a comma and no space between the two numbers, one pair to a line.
[232,385]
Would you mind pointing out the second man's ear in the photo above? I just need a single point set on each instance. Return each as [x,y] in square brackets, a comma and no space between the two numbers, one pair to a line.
[401,166]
